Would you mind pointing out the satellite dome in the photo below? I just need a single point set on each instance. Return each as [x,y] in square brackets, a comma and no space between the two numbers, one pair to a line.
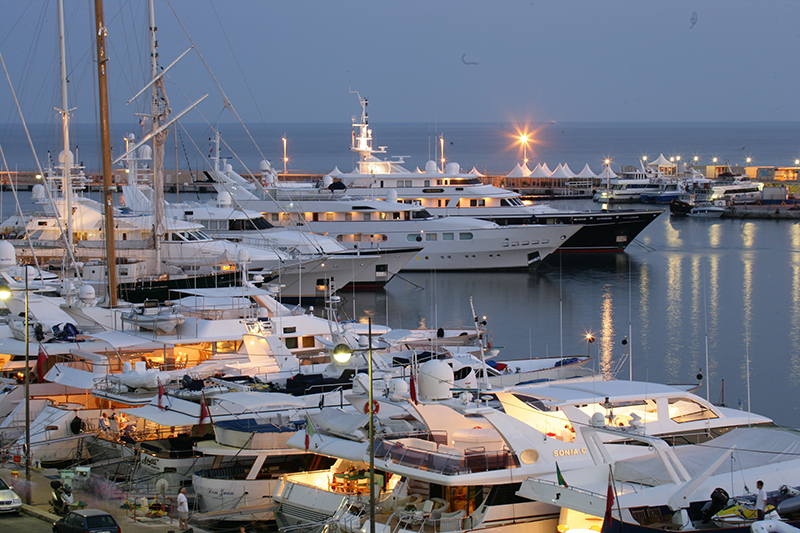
[598,420]
[145,152]
[8,255]
[224,199]
[61,157]
[435,380]
[452,168]
[431,168]
[38,192]
[244,256]
[327,180]
[391,195]
[126,366]
[265,166]
[228,168]
[86,294]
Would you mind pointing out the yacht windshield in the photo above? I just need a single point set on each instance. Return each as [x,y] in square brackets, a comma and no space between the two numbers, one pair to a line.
[422,213]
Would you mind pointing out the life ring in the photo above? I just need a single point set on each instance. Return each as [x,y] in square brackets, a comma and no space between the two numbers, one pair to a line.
[375,407]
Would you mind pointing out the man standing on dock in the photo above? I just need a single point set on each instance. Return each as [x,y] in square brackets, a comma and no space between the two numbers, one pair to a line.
[183,510]
[761,500]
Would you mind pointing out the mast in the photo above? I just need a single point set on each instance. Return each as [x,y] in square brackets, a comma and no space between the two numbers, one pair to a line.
[159,110]
[105,133]
[66,185]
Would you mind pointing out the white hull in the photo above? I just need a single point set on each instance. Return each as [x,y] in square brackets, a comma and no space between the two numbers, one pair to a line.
[227,494]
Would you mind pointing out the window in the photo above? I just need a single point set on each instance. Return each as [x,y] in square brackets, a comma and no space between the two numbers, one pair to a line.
[290,329]
[276,217]
[430,236]
[448,236]
[395,215]
[367,216]
[426,183]
[308,341]
[414,237]
[329,216]
[291,343]
[465,236]
[315,217]
[348,216]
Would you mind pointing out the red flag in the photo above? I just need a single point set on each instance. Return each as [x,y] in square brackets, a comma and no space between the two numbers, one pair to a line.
[40,362]
[609,504]
[413,390]
[203,413]
[161,394]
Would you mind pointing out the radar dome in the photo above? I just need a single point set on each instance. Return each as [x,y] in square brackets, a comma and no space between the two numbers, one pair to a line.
[398,388]
[435,380]
[228,168]
[8,255]
[126,366]
[224,199]
[61,157]
[452,168]
[86,294]
[431,168]
[391,195]
[598,420]
[244,256]
[327,180]
[130,137]
[38,193]
[145,152]
[264,166]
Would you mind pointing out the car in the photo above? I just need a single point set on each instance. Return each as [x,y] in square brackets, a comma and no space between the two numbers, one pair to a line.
[10,502]
[87,521]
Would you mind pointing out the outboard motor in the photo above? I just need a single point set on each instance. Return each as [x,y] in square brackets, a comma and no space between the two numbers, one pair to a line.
[719,499]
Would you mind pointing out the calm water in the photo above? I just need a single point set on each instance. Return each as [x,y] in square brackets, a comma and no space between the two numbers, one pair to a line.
[739,281]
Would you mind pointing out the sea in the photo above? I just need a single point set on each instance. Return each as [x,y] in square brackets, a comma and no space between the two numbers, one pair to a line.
[709,302]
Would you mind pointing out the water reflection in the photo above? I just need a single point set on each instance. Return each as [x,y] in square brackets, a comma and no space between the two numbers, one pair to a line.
[607,331]
[794,360]
[673,349]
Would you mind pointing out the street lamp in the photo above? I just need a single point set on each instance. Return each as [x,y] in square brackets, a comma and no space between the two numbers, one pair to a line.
[285,159]
[524,140]
[5,293]
[589,341]
[342,353]
[748,160]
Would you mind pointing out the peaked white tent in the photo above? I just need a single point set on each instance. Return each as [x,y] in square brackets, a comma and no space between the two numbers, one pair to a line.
[586,173]
[561,173]
[540,172]
[525,169]
[568,170]
[335,173]
[546,169]
[475,172]
[517,172]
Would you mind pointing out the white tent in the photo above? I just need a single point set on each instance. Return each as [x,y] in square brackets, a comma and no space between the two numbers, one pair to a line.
[540,172]
[661,161]
[561,173]
[517,173]
[546,169]
[568,170]
[586,173]
[607,173]
[335,173]
[526,170]
[475,172]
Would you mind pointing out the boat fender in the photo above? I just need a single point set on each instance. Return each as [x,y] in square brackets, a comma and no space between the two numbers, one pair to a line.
[76,425]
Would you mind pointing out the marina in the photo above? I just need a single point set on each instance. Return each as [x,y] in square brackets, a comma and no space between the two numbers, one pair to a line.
[317,334]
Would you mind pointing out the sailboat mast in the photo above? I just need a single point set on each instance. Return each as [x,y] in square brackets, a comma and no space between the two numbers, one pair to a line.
[105,134]
[158,139]
[66,185]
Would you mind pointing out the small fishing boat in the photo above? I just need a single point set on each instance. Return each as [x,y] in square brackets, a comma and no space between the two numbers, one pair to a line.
[705,210]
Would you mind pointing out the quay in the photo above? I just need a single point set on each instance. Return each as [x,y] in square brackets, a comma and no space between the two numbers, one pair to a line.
[782,211]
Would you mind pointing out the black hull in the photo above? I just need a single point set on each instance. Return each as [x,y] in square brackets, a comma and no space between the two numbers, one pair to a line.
[620,527]
[162,289]
[603,231]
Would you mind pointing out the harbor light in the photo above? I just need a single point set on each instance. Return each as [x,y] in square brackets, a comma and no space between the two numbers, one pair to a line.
[342,353]
[523,139]
[748,160]
[589,341]
[714,160]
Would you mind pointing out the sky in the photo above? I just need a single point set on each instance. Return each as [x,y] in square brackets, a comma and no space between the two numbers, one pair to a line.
[421,60]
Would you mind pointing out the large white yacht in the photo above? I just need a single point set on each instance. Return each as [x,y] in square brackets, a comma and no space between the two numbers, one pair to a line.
[462,464]
[450,192]
[358,223]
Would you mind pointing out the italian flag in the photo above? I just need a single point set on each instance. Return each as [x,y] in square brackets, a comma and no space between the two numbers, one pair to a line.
[310,431]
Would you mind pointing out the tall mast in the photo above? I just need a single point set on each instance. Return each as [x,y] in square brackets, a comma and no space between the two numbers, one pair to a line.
[159,110]
[105,134]
[66,185]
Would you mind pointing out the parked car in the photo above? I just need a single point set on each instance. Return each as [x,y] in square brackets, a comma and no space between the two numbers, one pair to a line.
[9,500]
[87,521]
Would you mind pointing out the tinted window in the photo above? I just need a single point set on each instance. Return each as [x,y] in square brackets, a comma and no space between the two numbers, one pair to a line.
[100,521]
[3,485]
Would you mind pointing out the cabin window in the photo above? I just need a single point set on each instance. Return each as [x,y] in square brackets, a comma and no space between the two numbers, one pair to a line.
[124,236]
[276,217]
[414,237]
[426,183]
[685,410]
[396,215]
[367,216]
[477,202]
[308,341]
[348,216]
[290,329]
[291,342]
[448,236]
[315,217]
[329,217]
[465,236]
[430,237]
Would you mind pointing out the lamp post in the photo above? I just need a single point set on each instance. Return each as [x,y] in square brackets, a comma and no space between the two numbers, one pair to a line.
[441,147]
[285,159]
[5,293]
[524,140]
[589,341]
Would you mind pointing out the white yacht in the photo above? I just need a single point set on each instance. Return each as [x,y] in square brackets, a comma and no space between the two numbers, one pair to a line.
[450,243]
[450,192]
[461,466]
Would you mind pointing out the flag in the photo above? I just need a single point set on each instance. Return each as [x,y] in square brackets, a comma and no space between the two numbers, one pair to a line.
[609,504]
[204,413]
[40,362]
[161,394]
[310,431]
[413,390]
[560,477]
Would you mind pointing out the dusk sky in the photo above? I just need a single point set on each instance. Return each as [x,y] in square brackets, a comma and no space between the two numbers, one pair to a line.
[424,61]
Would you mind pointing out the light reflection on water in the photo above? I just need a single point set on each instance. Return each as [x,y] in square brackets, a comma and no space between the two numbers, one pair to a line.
[749,279]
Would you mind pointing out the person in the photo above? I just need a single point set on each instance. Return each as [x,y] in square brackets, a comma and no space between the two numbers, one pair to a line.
[183,509]
[568,434]
[761,500]
[104,425]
